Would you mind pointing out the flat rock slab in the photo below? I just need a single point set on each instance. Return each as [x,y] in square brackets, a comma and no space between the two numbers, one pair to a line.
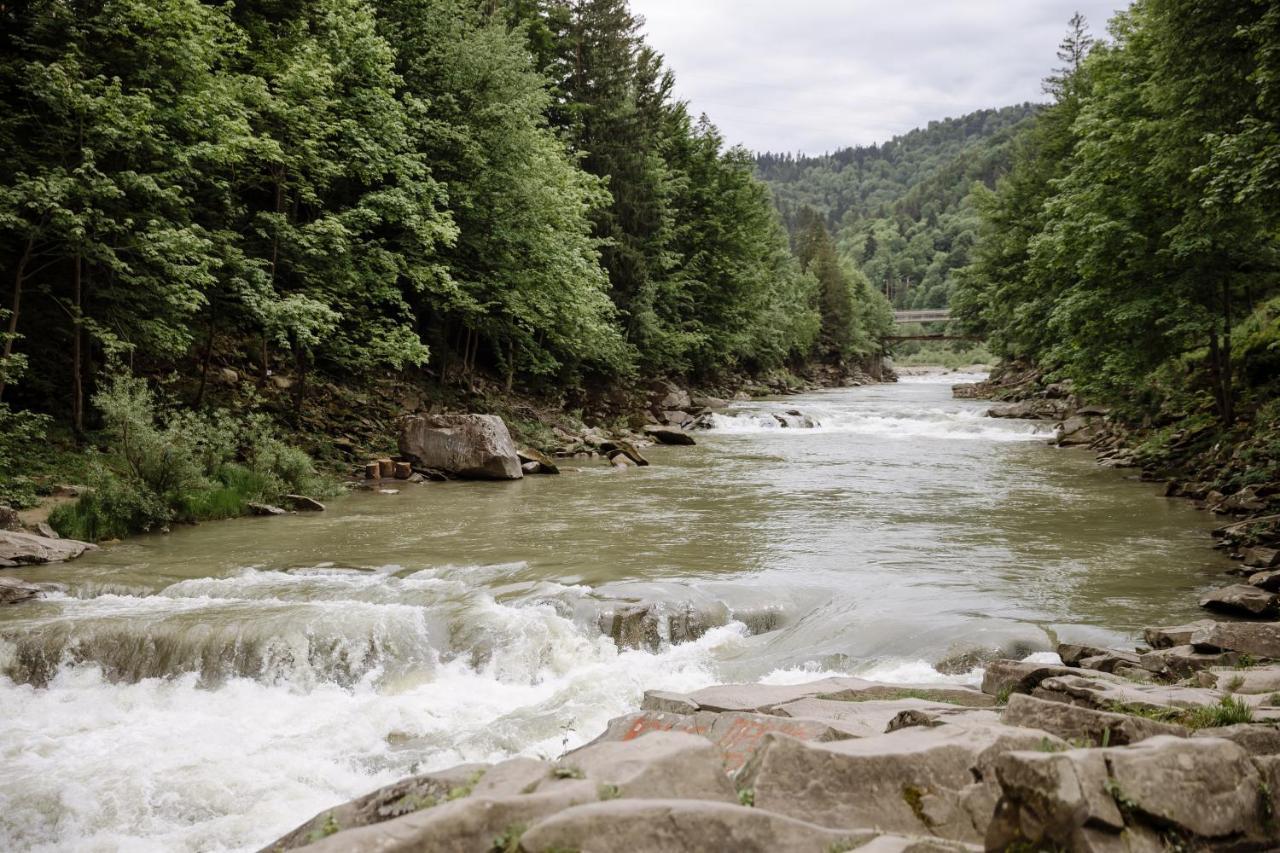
[1243,600]
[735,734]
[14,590]
[917,781]
[22,548]
[1105,696]
[1075,723]
[1005,677]
[764,698]
[880,716]
[1173,635]
[1251,681]
[1185,661]
[669,435]
[1260,639]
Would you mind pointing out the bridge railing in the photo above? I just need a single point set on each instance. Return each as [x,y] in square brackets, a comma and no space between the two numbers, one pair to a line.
[940,315]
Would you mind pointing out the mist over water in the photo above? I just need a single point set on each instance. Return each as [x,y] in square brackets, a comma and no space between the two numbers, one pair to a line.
[210,689]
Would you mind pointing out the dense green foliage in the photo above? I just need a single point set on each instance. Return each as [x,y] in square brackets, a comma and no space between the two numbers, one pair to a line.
[1134,247]
[902,211]
[301,192]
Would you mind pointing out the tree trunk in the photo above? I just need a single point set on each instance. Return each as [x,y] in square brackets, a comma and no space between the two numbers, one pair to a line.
[77,379]
[208,353]
[1228,389]
[511,364]
[15,307]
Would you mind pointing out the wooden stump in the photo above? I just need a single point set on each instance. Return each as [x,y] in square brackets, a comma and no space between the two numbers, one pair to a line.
[372,471]
[387,468]
[403,470]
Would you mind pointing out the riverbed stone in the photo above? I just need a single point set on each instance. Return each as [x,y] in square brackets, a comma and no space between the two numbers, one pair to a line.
[613,448]
[928,781]
[1203,789]
[21,548]
[878,716]
[302,503]
[395,800]
[765,698]
[1251,681]
[1262,558]
[663,825]
[470,446]
[1242,600]
[1078,430]
[1255,738]
[1260,639]
[528,455]
[1173,635]
[668,435]
[14,590]
[1076,723]
[1107,695]
[1004,677]
[266,509]
[1185,661]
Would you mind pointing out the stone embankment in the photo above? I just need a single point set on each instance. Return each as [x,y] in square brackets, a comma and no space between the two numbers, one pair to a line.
[1173,745]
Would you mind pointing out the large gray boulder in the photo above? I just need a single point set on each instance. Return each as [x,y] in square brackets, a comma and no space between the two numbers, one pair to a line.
[20,548]
[470,446]
[919,781]
[1204,791]
[1260,639]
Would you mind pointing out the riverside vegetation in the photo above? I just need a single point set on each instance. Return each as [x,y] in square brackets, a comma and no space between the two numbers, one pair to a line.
[322,199]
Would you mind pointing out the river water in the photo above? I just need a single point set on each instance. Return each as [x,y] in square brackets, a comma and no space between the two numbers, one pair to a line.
[210,689]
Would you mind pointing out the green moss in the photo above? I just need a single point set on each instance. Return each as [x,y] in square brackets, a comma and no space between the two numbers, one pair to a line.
[509,840]
[326,829]
[567,772]
[608,792]
[1229,712]
[747,797]
[1003,694]
[914,798]
[465,790]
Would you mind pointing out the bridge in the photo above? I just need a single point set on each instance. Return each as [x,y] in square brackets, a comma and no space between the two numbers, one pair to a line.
[934,315]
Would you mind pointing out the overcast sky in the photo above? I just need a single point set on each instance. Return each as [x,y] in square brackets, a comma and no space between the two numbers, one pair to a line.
[817,75]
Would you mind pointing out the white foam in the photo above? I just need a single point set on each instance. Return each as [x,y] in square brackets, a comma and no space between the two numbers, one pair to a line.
[890,422]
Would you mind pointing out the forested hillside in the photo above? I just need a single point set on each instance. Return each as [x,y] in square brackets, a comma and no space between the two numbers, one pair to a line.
[902,210]
[1135,248]
[290,193]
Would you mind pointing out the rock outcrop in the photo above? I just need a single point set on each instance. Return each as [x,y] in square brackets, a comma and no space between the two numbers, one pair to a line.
[668,435]
[18,548]
[469,446]
[13,590]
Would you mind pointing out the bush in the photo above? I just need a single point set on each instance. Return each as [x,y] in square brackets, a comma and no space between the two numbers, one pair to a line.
[164,467]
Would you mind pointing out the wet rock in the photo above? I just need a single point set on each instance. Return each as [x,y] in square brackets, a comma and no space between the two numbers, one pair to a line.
[677,418]
[1176,635]
[668,435]
[760,620]
[1268,580]
[648,626]
[932,781]
[1072,653]
[1262,558]
[302,503]
[1005,677]
[546,465]
[265,509]
[660,826]
[1089,657]
[395,800]
[612,449]
[530,468]
[1241,503]
[960,663]
[1078,430]
[1242,600]
[14,590]
[1032,409]
[701,401]
[1198,789]
[1076,723]
[20,548]
[1260,639]
[472,446]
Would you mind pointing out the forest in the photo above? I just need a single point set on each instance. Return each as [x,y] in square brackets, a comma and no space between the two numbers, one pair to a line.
[1133,247]
[299,192]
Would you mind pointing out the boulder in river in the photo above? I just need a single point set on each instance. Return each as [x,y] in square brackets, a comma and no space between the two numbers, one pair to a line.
[1262,558]
[611,449]
[302,503]
[20,548]
[1243,600]
[529,455]
[470,446]
[266,509]
[1078,430]
[13,590]
[1260,639]
[668,435]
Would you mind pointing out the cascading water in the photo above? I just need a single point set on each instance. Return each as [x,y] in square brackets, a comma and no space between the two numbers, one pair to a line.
[210,689]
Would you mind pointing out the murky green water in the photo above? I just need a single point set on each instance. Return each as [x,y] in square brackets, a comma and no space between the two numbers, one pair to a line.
[211,688]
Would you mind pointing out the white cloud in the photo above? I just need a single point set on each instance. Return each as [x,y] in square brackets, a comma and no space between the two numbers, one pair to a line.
[817,75]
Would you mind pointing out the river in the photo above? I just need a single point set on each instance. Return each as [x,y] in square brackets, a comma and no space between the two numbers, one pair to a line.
[212,688]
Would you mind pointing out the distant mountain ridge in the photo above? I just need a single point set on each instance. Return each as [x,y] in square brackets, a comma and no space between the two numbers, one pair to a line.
[900,210]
